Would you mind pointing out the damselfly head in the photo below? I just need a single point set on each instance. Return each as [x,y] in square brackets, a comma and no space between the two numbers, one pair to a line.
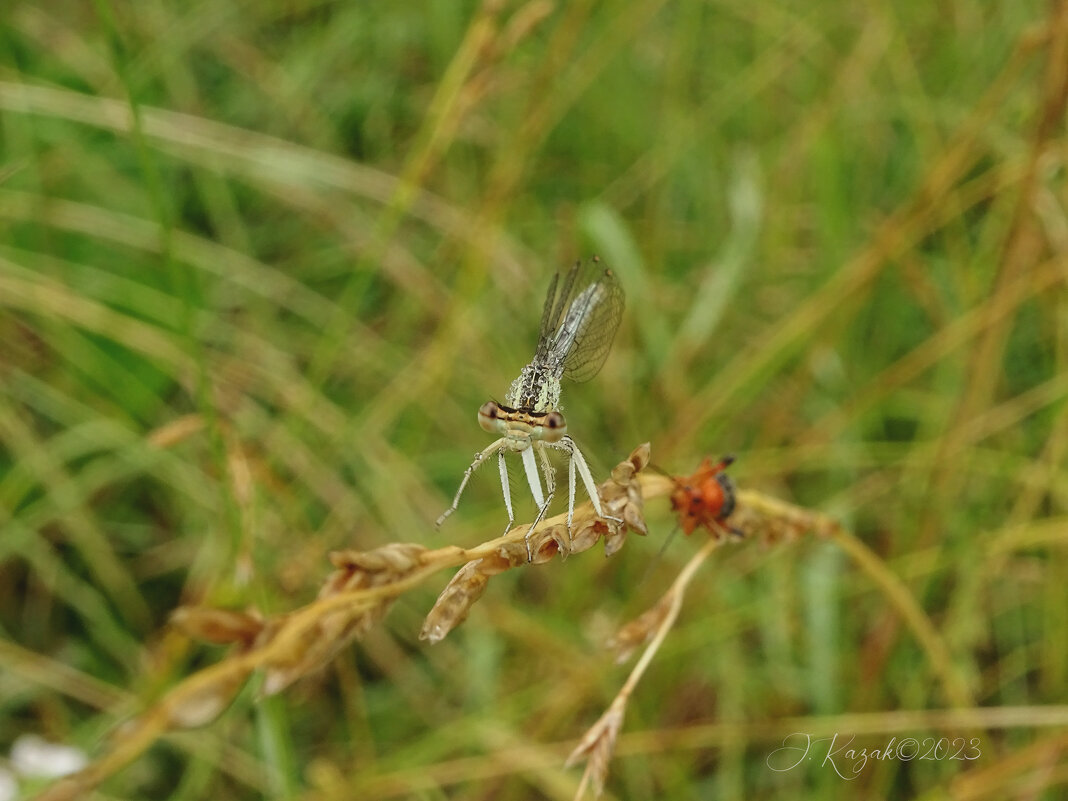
[522,425]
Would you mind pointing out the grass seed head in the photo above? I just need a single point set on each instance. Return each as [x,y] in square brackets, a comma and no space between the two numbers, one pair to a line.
[639,631]
[456,600]
[598,744]
[358,569]
[218,626]
[775,521]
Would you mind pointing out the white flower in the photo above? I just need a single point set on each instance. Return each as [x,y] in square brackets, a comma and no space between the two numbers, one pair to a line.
[9,786]
[34,756]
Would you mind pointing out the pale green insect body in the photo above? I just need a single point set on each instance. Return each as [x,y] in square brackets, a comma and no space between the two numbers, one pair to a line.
[582,311]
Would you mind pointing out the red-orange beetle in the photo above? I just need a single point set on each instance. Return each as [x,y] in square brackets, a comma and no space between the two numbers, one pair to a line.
[706,498]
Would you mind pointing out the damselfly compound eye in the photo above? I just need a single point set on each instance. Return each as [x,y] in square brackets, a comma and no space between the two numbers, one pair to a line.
[487,415]
[555,427]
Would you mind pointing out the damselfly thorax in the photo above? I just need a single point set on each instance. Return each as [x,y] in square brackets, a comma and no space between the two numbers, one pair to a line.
[580,317]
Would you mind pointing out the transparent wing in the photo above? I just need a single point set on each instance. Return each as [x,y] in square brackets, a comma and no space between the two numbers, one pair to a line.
[599,318]
[557,300]
[582,313]
[547,314]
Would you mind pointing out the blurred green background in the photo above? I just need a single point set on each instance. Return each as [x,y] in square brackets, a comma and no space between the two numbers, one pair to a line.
[261,263]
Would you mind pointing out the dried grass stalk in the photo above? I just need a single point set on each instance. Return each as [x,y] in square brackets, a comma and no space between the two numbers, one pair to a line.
[753,515]
[597,744]
[621,498]
[364,585]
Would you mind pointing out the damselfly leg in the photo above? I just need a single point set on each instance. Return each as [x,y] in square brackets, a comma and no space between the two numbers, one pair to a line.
[480,457]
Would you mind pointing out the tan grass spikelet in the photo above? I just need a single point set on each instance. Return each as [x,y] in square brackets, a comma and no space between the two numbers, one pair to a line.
[773,521]
[456,600]
[373,568]
[623,497]
[334,630]
[217,626]
[636,633]
[597,746]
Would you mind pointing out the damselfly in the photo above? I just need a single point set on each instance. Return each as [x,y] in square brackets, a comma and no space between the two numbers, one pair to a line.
[580,318]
